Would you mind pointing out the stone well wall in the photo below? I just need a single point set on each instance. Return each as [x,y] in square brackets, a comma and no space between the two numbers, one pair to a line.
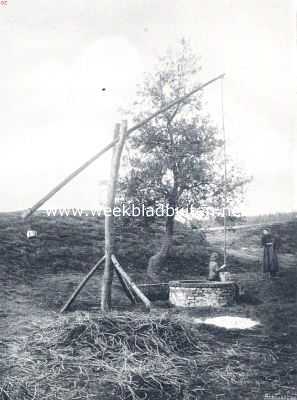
[201,293]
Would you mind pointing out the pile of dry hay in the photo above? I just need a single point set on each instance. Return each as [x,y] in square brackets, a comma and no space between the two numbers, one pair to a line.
[131,356]
[110,356]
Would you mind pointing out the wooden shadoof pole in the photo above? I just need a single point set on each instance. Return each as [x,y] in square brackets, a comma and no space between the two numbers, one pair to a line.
[69,178]
[133,285]
[225,173]
[119,136]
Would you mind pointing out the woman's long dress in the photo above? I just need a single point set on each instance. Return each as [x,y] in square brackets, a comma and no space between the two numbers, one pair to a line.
[270,259]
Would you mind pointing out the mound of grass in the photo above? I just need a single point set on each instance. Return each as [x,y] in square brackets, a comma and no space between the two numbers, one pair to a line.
[137,356]
[111,357]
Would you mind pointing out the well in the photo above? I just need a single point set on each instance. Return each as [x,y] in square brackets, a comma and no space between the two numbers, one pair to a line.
[202,293]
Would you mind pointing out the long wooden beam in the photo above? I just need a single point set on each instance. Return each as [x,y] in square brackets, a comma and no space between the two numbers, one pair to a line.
[64,182]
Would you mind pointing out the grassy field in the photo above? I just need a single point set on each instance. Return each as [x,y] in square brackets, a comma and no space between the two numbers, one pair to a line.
[132,354]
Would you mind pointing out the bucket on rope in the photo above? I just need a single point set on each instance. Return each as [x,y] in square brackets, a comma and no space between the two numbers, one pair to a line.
[31,234]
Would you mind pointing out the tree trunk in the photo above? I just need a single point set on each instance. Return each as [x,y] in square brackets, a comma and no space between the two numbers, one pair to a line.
[156,262]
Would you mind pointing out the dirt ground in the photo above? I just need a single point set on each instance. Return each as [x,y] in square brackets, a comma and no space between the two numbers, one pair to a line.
[32,298]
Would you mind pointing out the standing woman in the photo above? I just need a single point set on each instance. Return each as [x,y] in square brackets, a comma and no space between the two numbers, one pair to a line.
[276,245]
[270,259]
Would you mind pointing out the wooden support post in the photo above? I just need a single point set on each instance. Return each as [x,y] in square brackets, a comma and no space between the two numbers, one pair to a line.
[126,288]
[81,285]
[120,134]
[133,286]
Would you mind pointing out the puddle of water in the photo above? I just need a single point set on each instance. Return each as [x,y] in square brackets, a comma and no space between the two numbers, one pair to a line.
[229,322]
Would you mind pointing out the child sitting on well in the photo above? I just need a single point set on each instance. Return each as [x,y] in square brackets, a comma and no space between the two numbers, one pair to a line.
[214,269]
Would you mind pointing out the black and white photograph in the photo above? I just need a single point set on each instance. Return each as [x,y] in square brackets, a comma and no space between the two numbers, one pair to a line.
[148,206]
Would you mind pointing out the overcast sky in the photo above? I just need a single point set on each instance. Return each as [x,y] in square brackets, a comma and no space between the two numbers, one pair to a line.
[56,56]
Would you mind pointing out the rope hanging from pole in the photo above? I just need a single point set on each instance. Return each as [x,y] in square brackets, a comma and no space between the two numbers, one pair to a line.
[225,171]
